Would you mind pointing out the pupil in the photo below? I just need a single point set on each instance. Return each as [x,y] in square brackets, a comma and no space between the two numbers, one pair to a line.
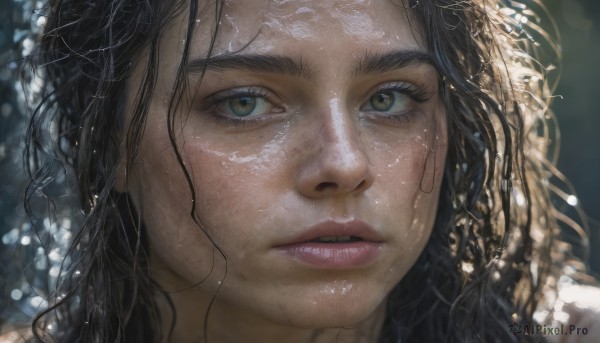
[243,106]
[382,101]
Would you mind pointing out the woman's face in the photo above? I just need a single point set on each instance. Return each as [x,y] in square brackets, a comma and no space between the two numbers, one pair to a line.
[315,143]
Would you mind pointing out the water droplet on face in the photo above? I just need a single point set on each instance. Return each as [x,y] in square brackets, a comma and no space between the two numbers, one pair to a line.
[346,288]
[336,287]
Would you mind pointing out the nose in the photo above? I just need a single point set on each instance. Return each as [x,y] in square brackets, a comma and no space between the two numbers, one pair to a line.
[336,163]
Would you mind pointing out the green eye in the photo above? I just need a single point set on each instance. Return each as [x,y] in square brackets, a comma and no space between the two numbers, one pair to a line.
[246,105]
[389,101]
[242,106]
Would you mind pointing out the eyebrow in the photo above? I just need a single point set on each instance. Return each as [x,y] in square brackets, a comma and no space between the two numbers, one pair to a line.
[381,63]
[370,63]
[257,63]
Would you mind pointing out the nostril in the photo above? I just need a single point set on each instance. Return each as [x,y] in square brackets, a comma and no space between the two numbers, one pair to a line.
[326,185]
[361,185]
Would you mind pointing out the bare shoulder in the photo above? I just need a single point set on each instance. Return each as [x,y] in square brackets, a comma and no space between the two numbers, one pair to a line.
[11,334]
[580,309]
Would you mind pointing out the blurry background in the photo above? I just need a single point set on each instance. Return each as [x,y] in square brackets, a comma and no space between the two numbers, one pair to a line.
[577,109]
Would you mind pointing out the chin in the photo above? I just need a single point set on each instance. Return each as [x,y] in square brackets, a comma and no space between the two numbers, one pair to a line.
[333,311]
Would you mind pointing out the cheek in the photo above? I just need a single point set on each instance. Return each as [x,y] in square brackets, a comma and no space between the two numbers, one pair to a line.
[235,189]
[406,208]
[181,253]
[410,170]
[410,176]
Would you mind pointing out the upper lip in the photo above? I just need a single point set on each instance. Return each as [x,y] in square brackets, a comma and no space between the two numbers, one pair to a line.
[334,228]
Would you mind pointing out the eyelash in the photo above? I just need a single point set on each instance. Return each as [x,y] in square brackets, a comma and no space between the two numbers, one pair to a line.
[416,94]
[211,104]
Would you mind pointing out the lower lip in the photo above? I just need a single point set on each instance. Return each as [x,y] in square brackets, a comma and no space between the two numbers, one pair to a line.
[333,255]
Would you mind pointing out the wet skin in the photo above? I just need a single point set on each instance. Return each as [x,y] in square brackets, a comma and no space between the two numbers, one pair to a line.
[323,134]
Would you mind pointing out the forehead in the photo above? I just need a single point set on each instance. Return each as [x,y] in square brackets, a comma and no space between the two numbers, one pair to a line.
[256,26]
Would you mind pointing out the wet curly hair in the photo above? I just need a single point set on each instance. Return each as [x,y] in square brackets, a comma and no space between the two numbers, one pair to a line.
[496,246]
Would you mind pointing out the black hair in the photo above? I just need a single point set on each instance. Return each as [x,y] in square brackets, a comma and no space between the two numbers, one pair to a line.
[495,248]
